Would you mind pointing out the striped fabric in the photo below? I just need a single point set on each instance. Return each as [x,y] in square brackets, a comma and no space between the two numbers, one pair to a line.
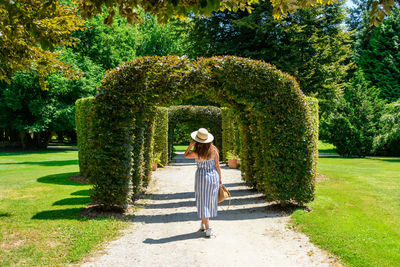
[206,188]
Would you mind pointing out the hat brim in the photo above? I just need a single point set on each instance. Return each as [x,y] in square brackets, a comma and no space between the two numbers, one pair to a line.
[195,138]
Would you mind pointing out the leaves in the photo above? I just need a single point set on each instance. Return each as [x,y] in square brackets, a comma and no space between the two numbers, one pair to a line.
[28,30]
[277,129]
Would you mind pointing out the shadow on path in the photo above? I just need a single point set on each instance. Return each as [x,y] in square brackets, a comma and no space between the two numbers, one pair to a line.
[193,235]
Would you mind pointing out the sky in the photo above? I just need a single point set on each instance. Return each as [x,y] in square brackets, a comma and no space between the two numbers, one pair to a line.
[349,3]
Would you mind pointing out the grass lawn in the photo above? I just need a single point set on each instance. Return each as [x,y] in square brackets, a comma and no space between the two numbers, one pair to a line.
[323,148]
[326,148]
[39,210]
[181,147]
[356,213]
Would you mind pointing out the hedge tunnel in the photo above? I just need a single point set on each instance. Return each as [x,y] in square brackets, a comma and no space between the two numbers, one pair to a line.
[203,115]
[278,132]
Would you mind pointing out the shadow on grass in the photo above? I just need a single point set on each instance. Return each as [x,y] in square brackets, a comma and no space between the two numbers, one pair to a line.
[17,152]
[60,178]
[72,201]
[45,163]
[5,214]
[81,193]
[63,214]
[394,160]
[327,151]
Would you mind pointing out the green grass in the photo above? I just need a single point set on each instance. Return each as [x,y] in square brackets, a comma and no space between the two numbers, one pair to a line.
[326,148]
[180,147]
[323,148]
[39,210]
[356,213]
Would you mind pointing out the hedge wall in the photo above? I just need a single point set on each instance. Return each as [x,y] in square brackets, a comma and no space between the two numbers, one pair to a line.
[231,139]
[276,120]
[161,134]
[206,116]
[83,123]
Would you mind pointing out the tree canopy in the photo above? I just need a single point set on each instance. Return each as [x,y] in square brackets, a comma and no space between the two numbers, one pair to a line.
[310,44]
[30,30]
[380,57]
[182,8]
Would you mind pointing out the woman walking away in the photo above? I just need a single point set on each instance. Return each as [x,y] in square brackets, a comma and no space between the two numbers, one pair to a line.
[207,178]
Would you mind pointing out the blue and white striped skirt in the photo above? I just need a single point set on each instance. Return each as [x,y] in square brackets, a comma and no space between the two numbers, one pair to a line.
[206,191]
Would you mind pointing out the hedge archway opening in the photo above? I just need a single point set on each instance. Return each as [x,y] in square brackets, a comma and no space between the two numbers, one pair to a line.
[207,116]
[279,136]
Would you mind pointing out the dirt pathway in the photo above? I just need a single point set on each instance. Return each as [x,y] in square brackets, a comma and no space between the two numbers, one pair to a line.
[250,233]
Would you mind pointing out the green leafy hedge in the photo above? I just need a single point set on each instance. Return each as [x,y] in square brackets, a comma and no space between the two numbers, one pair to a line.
[275,119]
[206,116]
[230,132]
[161,134]
[83,121]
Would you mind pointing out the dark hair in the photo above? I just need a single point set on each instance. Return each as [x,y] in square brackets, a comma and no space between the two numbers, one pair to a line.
[203,150]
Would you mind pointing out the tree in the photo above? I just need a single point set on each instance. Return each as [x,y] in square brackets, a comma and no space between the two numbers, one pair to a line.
[29,31]
[110,46]
[380,59]
[387,142]
[311,44]
[30,115]
[174,8]
[352,126]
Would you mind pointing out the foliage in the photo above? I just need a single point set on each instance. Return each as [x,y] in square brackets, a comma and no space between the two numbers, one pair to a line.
[387,142]
[28,110]
[380,59]
[161,134]
[148,145]
[313,104]
[251,87]
[312,45]
[109,46]
[28,30]
[170,9]
[353,124]
[355,213]
[230,132]
[231,155]
[157,158]
[201,116]
[83,121]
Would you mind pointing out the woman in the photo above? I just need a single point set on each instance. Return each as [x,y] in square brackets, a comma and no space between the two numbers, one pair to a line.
[208,176]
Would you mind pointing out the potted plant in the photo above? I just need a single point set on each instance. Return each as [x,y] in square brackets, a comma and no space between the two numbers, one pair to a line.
[233,159]
[156,160]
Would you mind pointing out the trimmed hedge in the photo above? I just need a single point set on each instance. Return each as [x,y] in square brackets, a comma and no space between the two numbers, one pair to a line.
[231,139]
[83,121]
[204,115]
[279,119]
[161,134]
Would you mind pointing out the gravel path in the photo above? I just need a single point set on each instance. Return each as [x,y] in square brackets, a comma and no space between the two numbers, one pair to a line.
[250,233]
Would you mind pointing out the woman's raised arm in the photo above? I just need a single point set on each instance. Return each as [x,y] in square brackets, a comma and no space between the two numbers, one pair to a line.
[190,154]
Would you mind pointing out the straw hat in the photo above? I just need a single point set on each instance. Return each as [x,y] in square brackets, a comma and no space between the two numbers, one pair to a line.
[202,136]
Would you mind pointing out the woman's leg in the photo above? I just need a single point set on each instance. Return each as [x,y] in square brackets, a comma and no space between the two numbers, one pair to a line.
[206,222]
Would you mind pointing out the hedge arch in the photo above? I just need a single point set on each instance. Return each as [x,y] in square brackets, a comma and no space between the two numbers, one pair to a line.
[277,129]
[207,115]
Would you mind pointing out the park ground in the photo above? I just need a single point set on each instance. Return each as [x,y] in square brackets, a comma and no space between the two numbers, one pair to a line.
[355,213]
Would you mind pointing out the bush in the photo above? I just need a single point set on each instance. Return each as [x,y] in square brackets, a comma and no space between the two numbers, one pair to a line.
[230,132]
[387,142]
[208,117]
[279,119]
[352,126]
[161,134]
[83,122]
